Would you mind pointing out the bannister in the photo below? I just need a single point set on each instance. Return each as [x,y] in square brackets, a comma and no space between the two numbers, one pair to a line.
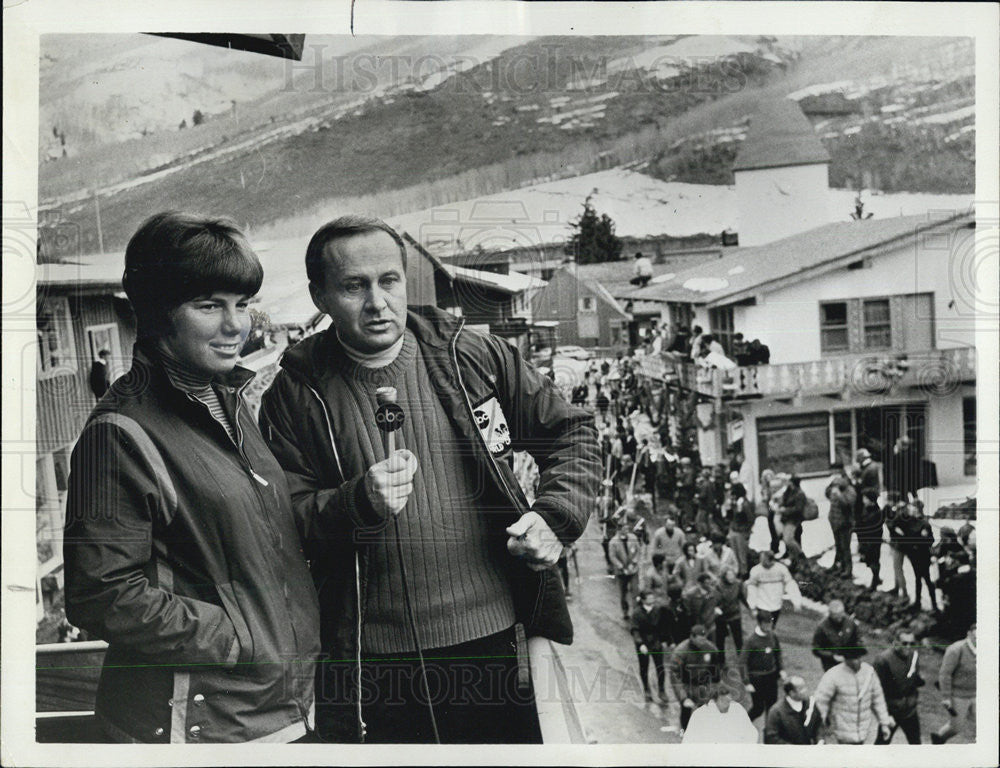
[937,371]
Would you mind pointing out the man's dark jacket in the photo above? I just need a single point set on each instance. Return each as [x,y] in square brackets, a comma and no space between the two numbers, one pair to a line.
[901,688]
[786,726]
[829,639]
[333,512]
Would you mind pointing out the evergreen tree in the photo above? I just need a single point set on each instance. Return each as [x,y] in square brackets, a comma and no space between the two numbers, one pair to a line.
[594,238]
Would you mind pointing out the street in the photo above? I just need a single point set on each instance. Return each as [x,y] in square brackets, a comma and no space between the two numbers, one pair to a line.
[602,669]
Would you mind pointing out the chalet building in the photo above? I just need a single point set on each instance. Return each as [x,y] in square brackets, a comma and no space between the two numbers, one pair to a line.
[586,312]
[781,174]
[80,310]
[870,335]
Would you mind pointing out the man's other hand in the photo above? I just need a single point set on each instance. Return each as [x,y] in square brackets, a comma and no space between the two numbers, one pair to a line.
[532,540]
[390,482]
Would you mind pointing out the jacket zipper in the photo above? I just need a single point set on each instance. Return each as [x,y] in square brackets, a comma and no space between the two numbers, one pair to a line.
[357,564]
[261,481]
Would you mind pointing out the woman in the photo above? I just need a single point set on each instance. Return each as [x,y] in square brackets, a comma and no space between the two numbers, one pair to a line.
[181,550]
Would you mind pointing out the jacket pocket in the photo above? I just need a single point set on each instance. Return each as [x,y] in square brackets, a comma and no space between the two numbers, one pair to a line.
[227,593]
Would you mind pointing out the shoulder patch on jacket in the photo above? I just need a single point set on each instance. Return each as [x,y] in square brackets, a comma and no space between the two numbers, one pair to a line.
[492,425]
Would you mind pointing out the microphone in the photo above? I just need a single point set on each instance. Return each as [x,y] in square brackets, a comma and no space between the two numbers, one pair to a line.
[389,417]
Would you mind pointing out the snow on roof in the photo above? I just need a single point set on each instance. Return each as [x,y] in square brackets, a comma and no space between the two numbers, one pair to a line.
[745,269]
[512,283]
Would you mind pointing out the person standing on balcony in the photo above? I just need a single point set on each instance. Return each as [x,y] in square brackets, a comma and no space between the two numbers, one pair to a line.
[695,349]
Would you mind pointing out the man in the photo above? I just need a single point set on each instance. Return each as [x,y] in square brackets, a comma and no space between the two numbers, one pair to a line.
[705,498]
[741,520]
[792,510]
[647,624]
[850,698]
[761,665]
[796,720]
[695,668]
[669,541]
[843,499]
[732,596]
[835,633]
[701,603]
[643,270]
[898,669]
[869,526]
[720,721]
[581,392]
[902,471]
[100,374]
[625,552]
[957,681]
[917,539]
[869,473]
[769,583]
[719,557]
[432,551]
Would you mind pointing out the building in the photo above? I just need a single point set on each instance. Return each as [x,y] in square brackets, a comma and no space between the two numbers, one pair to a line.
[870,332]
[781,174]
[80,310]
[587,314]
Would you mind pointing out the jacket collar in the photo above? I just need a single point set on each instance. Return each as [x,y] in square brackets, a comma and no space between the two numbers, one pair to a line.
[146,355]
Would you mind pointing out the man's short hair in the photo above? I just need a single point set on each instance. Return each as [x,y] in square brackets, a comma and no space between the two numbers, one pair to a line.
[104,353]
[835,602]
[704,577]
[339,229]
[698,629]
[792,683]
[175,257]
[762,615]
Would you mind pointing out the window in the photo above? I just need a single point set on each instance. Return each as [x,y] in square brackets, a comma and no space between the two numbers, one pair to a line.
[799,443]
[56,349]
[833,327]
[586,303]
[720,321]
[969,433]
[877,325]
[843,438]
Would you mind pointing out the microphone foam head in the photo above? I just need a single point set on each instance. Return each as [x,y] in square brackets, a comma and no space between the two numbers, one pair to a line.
[385,395]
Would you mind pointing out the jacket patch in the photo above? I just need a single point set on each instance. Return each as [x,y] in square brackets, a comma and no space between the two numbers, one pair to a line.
[492,425]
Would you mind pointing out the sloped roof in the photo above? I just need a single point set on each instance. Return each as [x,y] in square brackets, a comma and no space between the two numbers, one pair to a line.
[779,135]
[603,293]
[742,270]
[615,275]
[511,283]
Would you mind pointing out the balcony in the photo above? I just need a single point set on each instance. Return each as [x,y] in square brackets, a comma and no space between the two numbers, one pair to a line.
[936,371]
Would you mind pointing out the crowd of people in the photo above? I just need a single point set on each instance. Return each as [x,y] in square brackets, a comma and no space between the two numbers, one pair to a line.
[676,538]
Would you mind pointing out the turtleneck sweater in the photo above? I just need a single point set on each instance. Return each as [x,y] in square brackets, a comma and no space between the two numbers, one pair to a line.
[454,565]
[198,385]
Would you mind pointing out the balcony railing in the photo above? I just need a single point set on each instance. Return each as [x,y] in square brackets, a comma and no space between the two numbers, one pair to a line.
[937,371]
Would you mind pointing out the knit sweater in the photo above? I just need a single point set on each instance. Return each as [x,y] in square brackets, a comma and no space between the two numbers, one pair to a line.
[957,677]
[670,545]
[767,587]
[454,567]
[695,667]
[761,654]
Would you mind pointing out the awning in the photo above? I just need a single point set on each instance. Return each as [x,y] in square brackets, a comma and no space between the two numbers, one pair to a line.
[283,46]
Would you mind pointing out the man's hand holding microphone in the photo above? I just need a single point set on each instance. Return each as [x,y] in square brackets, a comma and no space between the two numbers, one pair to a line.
[389,483]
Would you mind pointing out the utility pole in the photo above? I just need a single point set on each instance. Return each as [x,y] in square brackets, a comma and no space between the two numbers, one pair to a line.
[100,232]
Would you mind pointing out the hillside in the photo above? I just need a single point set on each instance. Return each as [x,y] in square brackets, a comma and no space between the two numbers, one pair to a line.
[479,117]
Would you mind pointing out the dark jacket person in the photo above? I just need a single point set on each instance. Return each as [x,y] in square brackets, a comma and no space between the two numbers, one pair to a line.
[180,547]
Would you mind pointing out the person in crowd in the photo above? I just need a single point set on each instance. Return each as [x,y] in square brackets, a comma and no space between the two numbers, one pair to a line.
[792,510]
[761,665]
[686,492]
[868,475]
[713,355]
[647,466]
[956,579]
[669,541]
[902,471]
[796,719]
[843,499]
[655,579]
[100,374]
[760,354]
[603,403]
[957,681]
[833,634]
[701,603]
[741,349]
[768,585]
[581,391]
[868,527]
[720,721]
[405,603]
[896,514]
[646,626]
[695,350]
[695,668]
[609,520]
[769,484]
[563,565]
[916,542]
[688,568]
[718,557]
[681,341]
[731,599]
[625,552]
[898,669]
[741,519]
[203,596]
[705,500]
[850,698]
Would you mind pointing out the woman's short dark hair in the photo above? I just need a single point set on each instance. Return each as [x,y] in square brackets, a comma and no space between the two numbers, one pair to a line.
[345,226]
[175,257]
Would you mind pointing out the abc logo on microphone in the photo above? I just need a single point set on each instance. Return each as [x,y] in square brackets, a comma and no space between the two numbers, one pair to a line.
[389,417]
